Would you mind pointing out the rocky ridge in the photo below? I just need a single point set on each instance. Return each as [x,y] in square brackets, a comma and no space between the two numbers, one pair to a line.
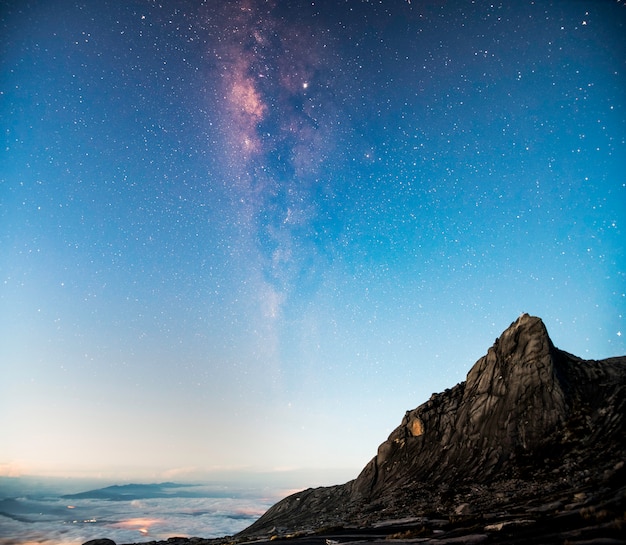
[533,429]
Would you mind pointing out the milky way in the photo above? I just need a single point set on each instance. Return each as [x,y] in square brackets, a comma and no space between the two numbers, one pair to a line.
[279,116]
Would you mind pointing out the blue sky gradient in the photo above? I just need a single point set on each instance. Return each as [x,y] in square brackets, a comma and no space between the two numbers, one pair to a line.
[247,237]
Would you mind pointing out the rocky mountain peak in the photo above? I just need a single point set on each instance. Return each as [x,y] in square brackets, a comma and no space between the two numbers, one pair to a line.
[527,413]
[513,395]
[512,399]
[524,347]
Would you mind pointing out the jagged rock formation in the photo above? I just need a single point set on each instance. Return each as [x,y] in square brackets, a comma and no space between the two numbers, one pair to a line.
[530,425]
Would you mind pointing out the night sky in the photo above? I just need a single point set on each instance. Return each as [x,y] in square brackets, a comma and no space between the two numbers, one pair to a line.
[247,236]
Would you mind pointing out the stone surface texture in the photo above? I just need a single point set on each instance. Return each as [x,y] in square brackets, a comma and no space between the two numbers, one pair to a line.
[531,428]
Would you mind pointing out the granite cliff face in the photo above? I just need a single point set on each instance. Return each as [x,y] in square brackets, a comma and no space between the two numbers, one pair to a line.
[530,423]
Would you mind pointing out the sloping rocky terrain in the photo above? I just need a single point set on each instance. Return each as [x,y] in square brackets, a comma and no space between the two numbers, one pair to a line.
[534,435]
[530,449]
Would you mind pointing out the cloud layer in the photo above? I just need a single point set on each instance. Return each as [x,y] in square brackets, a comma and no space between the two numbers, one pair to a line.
[63,521]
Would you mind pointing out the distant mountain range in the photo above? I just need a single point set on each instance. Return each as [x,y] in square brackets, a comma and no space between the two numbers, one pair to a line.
[531,445]
[129,492]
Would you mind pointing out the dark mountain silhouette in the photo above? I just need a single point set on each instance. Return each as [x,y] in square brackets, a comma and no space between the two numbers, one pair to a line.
[534,432]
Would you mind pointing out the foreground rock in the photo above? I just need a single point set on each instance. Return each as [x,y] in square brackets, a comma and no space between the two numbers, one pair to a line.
[533,435]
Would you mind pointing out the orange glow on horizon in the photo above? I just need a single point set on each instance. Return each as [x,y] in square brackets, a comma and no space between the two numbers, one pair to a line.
[141,524]
[251,511]
[140,521]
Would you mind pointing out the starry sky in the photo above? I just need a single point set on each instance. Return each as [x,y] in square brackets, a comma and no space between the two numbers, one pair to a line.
[246,236]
